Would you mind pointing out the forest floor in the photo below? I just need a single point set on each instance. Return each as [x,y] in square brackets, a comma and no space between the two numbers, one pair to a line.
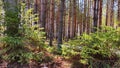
[57,62]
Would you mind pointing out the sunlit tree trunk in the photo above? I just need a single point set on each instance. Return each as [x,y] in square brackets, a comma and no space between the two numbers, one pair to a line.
[112,14]
[108,11]
[73,22]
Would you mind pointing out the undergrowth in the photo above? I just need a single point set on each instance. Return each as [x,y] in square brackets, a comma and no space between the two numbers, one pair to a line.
[94,46]
[23,40]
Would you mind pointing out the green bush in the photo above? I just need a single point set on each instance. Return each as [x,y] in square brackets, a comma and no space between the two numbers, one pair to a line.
[14,50]
[18,46]
[38,57]
[98,45]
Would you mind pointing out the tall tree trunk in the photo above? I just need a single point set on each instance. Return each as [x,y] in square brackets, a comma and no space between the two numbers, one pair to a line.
[57,20]
[88,17]
[74,18]
[61,23]
[100,13]
[112,14]
[108,11]
[118,13]
[95,19]
[64,24]
[84,17]
[51,21]
[69,20]
[43,14]
[35,6]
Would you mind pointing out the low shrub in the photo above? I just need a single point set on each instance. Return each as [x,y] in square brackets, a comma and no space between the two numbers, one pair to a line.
[99,45]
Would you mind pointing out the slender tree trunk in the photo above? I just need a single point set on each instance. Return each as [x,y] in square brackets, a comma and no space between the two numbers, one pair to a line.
[43,14]
[62,5]
[100,13]
[81,19]
[112,14]
[48,20]
[36,6]
[84,18]
[57,20]
[74,18]
[118,17]
[88,17]
[51,21]
[108,11]
[69,20]
[64,24]
[95,19]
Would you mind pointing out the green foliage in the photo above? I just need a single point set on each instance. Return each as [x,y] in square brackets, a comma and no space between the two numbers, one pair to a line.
[1,9]
[1,17]
[38,56]
[97,45]
[11,20]
[30,30]
[100,43]
[21,37]
[14,50]
[12,23]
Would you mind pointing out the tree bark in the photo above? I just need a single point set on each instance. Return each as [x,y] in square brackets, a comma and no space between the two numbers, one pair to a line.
[95,19]
[51,21]
[61,23]
[43,14]
[100,13]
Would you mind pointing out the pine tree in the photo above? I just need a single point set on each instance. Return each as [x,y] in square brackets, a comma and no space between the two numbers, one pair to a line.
[60,37]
